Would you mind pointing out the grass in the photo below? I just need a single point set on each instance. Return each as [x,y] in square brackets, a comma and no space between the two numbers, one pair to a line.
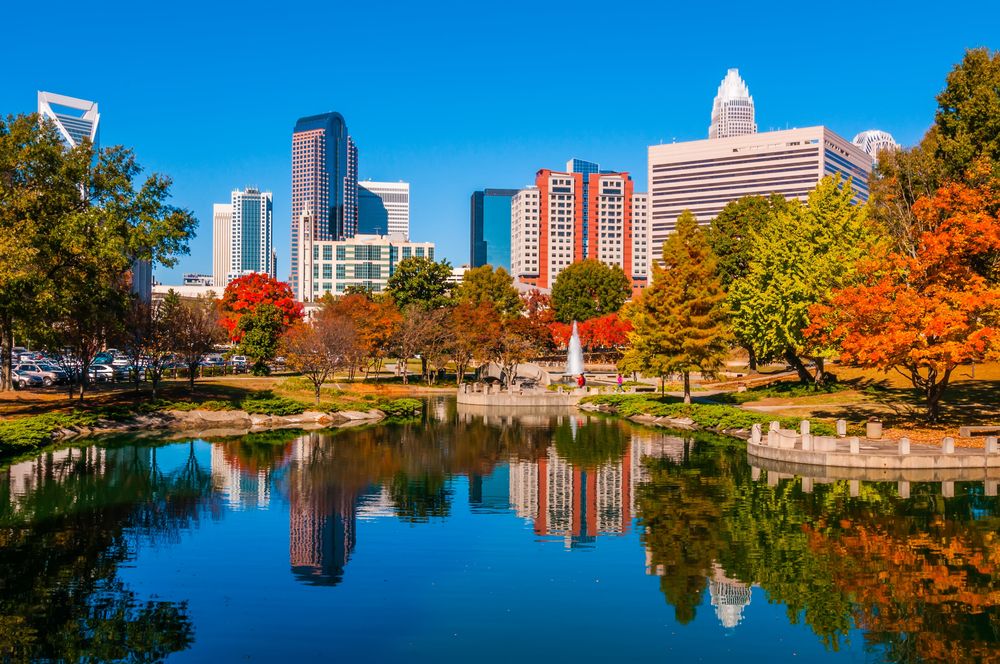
[783,390]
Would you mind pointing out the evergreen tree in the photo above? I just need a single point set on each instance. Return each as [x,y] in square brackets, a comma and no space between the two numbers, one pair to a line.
[679,324]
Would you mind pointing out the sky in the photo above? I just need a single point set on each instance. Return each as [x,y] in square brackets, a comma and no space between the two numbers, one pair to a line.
[458,97]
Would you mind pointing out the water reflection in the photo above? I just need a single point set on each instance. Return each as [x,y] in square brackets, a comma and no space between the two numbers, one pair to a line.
[917,575]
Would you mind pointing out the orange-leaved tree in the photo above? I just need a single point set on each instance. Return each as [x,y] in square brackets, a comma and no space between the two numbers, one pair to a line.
[922,308]
[245,294]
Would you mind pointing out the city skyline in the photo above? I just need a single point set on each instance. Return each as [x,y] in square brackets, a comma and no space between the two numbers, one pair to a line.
[447,139]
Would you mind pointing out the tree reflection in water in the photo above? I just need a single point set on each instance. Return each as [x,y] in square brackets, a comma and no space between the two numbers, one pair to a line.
[918,577]
[68,519]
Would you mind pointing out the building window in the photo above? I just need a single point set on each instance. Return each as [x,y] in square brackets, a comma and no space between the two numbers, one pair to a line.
[315,253]
[327,271]
[327,253]
[341,252]
[420,252]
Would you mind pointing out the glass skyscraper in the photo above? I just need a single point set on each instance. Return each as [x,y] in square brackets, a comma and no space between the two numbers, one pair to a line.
[324,181]
[250,240]
[490,232]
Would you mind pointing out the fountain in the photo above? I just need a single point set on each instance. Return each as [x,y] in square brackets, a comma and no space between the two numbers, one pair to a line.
[574,355]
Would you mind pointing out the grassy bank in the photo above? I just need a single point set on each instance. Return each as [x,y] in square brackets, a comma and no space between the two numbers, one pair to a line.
[23,434]
[718,417]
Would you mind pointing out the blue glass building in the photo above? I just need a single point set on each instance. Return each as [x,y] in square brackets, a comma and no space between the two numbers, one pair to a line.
[490,232]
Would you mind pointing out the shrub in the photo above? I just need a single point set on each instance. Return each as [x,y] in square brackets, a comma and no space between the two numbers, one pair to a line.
[266,403]
[401,407]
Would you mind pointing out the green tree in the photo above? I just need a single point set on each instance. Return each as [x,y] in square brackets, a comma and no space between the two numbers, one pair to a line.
[679,324]
[731,239]
[800,256]
[262,330]
[420,281]
[589,289]
[484,284]
[967,122]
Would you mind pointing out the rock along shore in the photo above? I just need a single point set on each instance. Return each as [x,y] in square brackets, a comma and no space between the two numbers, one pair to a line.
[223,419]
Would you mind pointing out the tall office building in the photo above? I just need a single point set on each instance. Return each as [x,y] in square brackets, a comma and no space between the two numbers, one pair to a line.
[872,141]
[704,176]
[732,110]
[324,179]
[384,208]
[567,217]
[75,119]
[243,243]
[222,224]
[490,228]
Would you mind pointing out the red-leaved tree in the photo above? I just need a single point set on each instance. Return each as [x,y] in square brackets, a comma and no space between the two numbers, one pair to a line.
[927,306]
[245,294]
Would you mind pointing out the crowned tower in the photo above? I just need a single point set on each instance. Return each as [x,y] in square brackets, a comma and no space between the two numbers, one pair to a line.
[732,111]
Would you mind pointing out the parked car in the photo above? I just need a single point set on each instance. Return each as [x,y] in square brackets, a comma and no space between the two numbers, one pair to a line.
[48,375]
[101,373]
[238,359]
[24,380]
[120,361]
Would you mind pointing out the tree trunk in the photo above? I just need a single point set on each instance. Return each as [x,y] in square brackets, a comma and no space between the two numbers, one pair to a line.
[934,391]
[423,368]
[317,386]
[800,368]
[663,385]
[687,387]
[753,360]
[152,380]
[6,346]
[820,378]
[405,373]
[191,377]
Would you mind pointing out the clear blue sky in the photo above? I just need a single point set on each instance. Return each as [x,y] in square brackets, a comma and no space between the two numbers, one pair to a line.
[458,97]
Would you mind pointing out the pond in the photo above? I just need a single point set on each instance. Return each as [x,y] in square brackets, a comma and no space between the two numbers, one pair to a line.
[465,536]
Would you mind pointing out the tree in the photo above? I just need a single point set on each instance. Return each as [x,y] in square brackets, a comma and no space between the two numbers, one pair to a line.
[317,350]
[483,284]
[411,335]
[800,256]
[474,329]
[731,239]
[516,342]
[259,332]
[967,121]
[243,295]
[588,289]
[923,315]
[196,330]
[375,323]
[679,324]
[80,221]
[420,281]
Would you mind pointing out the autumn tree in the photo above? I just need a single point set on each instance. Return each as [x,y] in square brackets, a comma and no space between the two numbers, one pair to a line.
[413,334]
[588,289]
[923,315]
[484,284]
[800,256]
[375,324]
[244,294]
[474,329]
[318,349]
[515,343]
[420,281]
[679,324]
[196,330]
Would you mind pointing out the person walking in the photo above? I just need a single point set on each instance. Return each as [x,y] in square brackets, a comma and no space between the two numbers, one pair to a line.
[620,380]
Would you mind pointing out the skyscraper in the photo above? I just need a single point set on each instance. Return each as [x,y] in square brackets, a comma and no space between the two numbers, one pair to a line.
[569,217]
[384,208]
[75,119]
[490,228]
[872,141]
[732,111]
[222,224]
[242,235]
[324,179]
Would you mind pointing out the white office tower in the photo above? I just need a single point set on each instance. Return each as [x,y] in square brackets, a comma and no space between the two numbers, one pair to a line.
[76,119]
[222,223]
[250,239]
[384,208]
[732,111]
[872,141]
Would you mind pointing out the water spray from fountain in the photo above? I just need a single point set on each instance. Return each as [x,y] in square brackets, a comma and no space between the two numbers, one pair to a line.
[574,355]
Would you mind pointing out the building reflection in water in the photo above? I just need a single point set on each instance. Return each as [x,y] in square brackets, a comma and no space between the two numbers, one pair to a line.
[242,486]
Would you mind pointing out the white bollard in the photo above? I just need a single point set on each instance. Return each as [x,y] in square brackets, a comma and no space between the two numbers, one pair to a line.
[804,427]
[991,445]
[775,425]
[948,445]
[807,442]
[904,446]
[842,428]
[755,433]
[855,445]
[772,438]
